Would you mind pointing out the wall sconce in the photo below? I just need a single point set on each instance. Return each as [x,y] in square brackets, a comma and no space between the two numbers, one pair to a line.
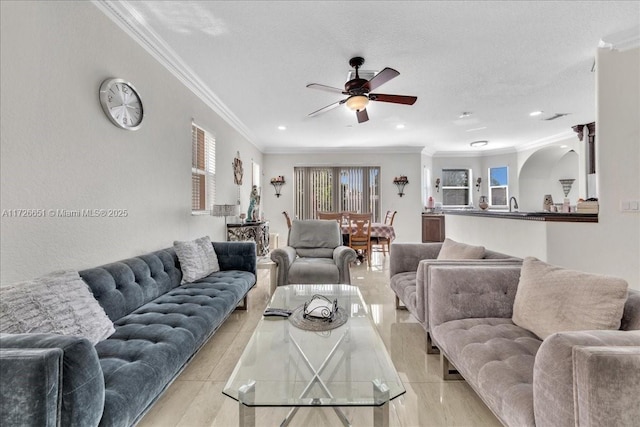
[225,211]
[277,183]
[438,185]
[400,182]
[478,182]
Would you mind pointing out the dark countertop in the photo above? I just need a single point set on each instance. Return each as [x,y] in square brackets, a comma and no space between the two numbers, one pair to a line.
[529,216]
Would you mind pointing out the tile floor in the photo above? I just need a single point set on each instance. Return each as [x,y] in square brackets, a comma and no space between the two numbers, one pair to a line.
[195,398]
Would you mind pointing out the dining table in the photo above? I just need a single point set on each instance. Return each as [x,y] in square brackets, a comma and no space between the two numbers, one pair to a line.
[378,229]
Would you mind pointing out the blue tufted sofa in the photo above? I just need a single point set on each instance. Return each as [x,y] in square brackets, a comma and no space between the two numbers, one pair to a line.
[50,380]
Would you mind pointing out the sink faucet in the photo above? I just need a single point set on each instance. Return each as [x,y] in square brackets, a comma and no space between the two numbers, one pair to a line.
[515,204]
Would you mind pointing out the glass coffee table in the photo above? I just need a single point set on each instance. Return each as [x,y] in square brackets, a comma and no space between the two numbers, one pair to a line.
[283,365]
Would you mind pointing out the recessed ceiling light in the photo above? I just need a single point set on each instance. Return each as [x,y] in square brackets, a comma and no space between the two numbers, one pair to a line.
[400,126]
[475,129]
[535,113]
[465,114]
[282,127]
[479,143]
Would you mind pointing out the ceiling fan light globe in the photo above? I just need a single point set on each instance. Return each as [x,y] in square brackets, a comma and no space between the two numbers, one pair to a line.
[357,102]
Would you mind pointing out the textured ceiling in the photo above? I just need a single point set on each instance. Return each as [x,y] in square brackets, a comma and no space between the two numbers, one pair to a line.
[498,60]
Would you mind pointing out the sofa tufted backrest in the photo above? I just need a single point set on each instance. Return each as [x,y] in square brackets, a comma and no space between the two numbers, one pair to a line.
[121,287]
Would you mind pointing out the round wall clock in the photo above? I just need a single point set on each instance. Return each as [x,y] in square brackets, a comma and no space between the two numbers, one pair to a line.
[121,103]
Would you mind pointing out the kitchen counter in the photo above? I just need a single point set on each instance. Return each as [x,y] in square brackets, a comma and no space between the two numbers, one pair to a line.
[529,216]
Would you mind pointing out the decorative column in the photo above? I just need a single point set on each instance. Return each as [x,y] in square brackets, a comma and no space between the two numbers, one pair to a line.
[591,140]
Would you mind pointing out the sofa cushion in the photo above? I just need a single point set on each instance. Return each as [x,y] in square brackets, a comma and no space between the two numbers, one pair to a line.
[59,303]
[314,270]
[152,344]
[497,358]
[404,285]
[197,258]
[553,299]
[456,250]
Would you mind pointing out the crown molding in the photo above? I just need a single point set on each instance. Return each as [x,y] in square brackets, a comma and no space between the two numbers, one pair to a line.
[345,150]
[546,141]
[622,40]
[126,17]
[483,153]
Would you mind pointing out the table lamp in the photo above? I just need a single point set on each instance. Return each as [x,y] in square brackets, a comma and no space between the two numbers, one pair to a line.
[225,211]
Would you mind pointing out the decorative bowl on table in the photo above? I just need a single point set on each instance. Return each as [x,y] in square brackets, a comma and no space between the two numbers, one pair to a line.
[319,314]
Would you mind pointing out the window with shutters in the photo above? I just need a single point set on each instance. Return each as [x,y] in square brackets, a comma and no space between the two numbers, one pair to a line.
[455,187]
[203,170]
[336,189]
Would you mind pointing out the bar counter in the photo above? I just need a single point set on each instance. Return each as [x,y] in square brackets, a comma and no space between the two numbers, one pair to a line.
[528,216]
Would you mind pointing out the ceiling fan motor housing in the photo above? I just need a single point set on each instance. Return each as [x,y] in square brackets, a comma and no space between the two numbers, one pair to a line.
[355,86]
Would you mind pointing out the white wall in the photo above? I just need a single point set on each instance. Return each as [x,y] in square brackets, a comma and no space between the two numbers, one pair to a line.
[540,169]
[518,238]
[59,151]
[407,223]
[427,178]
[479,166]
[612,246]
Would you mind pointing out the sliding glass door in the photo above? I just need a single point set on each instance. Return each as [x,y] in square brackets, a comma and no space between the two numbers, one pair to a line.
[336,189]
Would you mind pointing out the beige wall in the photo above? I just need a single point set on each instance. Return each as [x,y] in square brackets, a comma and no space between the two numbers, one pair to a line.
[59,151]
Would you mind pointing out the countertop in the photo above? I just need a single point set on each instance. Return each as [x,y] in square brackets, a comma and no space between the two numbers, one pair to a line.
[529,216]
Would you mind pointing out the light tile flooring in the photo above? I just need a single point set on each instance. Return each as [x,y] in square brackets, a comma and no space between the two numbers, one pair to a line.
[195,398]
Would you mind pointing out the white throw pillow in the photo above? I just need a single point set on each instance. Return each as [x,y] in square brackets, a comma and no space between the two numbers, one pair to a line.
[197,258]
[59,303]
[454,250]
[552,299]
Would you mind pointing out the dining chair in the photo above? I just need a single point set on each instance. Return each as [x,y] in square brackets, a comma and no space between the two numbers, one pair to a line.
[330,215]
[287,218]
[381,243]
[360,234]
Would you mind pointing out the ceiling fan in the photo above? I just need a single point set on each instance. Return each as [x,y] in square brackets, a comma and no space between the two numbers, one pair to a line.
[359,91]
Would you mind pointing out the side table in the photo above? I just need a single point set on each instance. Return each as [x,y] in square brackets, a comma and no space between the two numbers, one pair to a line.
[265,263]
[252,231]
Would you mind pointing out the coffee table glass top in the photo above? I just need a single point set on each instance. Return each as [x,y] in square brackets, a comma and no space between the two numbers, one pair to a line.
[283,365]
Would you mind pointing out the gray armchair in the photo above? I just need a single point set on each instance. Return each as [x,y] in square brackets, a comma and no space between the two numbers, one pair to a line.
[314,254]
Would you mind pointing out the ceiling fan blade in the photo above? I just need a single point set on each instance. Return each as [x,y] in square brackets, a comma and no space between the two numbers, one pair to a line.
[362,115]
[327,108]
[326,88]
[381,78]
[396,99]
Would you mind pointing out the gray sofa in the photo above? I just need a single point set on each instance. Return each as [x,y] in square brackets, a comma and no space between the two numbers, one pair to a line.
[409,265]
[314,254]
[581,378]
[50,380]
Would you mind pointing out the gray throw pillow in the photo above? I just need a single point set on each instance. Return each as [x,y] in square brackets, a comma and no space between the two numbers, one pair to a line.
[552,299]
[59,303]
[197,258]
[455,250]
